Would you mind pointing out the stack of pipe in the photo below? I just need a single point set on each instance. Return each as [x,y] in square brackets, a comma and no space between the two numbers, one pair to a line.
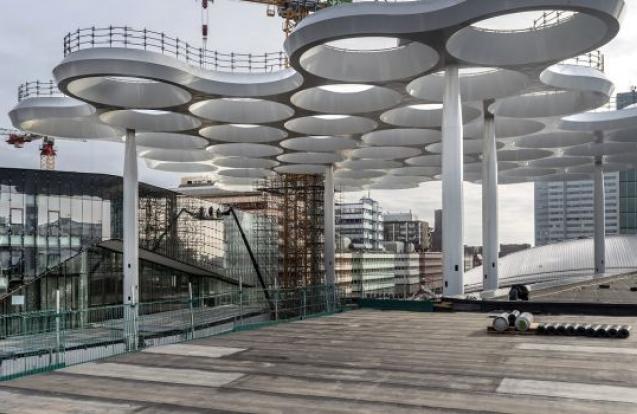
[590,330]
[522,322]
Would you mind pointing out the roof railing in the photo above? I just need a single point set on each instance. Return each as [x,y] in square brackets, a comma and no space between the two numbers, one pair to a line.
[594,59]
[144,39]
[38,88]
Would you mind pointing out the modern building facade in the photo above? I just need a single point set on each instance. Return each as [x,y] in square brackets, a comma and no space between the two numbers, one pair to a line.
[627,179]
[564,210]
[406,228]
[406,273]
[431,271]
[362,223]
[63,231]
[436,234]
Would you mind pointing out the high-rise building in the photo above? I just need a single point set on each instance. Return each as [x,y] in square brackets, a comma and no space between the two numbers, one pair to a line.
[406,228]
[436,234]
[627,179]
[564,209]
[362,223]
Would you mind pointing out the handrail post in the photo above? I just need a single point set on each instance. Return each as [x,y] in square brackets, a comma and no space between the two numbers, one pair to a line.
[58,341]
[192,315]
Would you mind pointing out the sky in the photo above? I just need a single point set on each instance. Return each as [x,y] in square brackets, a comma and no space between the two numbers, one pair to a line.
[31,45]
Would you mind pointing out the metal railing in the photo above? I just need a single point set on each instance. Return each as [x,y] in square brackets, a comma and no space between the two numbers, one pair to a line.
[41,341]
[37,88]
[594,59]
[552,18]
[144,39]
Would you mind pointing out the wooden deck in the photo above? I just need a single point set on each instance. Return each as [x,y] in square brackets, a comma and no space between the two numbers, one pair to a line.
[356,362]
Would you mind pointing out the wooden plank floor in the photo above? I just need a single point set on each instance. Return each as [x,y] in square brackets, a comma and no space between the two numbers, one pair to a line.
[356,362]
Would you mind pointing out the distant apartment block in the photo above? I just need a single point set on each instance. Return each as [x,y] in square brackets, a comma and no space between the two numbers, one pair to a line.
[564,209]
[362,223]
[406,228]
[431,271]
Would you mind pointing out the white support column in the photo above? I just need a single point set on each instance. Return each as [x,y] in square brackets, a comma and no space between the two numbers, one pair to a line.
[490,243]
[330,233]
[452,194]
[600,219]
[131,239]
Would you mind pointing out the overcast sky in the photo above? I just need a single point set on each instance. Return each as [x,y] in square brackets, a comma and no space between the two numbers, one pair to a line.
[31,37]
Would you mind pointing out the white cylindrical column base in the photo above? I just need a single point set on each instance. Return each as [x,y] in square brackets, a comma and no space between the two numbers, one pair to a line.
[490,243]
[130,240]
[452,192]
[600,220]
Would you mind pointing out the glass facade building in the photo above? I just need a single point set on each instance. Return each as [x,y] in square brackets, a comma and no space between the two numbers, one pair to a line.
[627,180]
[62,231]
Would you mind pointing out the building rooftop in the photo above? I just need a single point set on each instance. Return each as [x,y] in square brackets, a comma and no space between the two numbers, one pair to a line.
[358,361]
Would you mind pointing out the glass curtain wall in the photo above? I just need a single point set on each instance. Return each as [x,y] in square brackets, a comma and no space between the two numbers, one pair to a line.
[53,224]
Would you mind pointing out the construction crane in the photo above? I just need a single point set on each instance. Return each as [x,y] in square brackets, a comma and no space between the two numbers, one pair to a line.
[19,138]
[292,11]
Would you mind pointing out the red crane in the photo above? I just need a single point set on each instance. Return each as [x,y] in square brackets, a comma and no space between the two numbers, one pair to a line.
[19,138]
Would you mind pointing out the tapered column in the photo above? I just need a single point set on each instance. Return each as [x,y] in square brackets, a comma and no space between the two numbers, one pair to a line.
[490,243]
[600,219]
[330,235]
[452,194]
[131,239]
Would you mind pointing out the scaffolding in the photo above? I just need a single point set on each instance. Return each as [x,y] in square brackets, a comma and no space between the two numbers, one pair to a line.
[295,201]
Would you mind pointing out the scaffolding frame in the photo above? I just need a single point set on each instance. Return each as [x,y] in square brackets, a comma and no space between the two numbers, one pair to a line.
[295,201]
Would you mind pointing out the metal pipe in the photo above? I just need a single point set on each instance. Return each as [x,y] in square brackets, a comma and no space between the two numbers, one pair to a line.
[581,329]
[524,321]
[570,329]
[550,329]
[513,316]
[612,331]
[624,331]
[560,329]
[501,322]
[600,331]
[541,329]
[590,330]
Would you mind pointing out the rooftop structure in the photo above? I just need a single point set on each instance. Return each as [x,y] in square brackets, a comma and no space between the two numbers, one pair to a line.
[437,89]
[560,262]
[361,361]
[362,223]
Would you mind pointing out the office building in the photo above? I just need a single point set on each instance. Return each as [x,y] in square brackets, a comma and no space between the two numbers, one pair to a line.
[564,209]
[63,231]
[627,179]
[431,271]
[406,273]
[406,228]
[362,223]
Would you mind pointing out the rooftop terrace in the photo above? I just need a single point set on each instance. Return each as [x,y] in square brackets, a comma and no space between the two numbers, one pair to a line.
[358,361]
